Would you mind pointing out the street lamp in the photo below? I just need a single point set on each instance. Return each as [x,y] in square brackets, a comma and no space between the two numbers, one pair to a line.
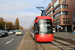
[5,24]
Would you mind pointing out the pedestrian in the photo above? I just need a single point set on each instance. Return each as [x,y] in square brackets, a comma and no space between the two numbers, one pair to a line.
[74,32]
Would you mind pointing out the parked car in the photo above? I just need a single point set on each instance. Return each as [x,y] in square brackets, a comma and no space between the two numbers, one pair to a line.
[3,33]
[6,31]
[11,32]
[19,32]
[15,31]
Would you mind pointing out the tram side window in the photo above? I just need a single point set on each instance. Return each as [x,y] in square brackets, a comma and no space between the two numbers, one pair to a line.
[36,28]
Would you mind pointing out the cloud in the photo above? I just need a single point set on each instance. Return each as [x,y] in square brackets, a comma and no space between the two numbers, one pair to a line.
[8,8]
[25,19]
[25,10]
[19,5]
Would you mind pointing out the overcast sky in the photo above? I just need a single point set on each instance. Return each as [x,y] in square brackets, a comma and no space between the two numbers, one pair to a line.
[25,10]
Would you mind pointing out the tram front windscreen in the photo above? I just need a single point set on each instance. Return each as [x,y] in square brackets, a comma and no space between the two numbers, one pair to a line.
[45,26]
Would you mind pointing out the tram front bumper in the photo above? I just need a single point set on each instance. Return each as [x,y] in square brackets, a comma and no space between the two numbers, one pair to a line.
[44,38]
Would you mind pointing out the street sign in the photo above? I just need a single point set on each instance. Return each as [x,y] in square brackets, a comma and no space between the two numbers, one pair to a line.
[57,26]
[74,32]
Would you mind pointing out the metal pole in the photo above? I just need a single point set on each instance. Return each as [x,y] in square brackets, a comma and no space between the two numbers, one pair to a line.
[73,21]
[58,30]
[5,26]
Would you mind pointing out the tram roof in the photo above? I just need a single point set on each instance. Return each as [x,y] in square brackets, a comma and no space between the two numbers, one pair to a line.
[43,17]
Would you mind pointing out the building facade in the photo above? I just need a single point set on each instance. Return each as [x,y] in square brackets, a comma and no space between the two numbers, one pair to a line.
[62,12]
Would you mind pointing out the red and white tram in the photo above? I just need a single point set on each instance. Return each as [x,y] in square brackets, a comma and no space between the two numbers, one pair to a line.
[41,29]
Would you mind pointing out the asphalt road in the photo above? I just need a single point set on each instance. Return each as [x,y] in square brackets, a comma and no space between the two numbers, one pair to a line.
[12,42]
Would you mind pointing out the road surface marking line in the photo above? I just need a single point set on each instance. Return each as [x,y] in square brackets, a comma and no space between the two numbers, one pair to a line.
[21,42]
[12,35]
[9,41]
[6,38]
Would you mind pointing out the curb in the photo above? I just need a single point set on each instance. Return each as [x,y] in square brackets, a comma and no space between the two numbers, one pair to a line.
[21,42]
[38,47]
[32,38]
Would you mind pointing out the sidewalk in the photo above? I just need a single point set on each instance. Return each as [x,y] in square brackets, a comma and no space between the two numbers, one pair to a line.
[69,35]
[27,43]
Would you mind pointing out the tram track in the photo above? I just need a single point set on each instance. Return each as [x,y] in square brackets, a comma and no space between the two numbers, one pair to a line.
[48,46]
[71,42]
[65,39]
[56,45]
[42,48]
[65,44]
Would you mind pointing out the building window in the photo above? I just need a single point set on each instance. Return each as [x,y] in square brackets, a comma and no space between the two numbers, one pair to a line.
[57,8]
[53,22]
[63,20]
[64,12]
[64,6]
[63,1]
[61,13]
[49,8]
[58,14]
[60,6]
[56,22]
[66,21]
[49,13]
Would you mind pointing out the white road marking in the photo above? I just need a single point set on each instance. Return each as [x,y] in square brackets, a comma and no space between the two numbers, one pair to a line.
[5,37]
[9,41]
[12,35]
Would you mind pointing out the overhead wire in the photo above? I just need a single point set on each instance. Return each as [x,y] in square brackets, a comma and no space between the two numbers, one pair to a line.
[21,2]
[41,6]
[43,3]
[11,5]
